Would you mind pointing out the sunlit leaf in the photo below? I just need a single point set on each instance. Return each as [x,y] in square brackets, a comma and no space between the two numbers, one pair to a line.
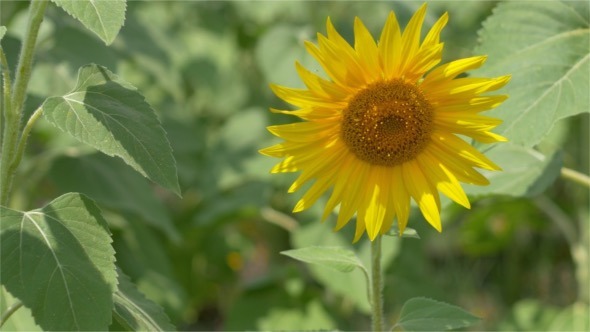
[112,116]
[422,314]
[525,172]
[104,18]
[408,232]
[59,262]
[544,46]
[350,286]
[134,311]
[2,31]
[338,258]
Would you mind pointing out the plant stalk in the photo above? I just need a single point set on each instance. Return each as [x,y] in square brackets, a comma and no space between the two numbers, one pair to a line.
[6,90]
[11,310]
[23,139]
[13,115]
[575,176]
[376,286]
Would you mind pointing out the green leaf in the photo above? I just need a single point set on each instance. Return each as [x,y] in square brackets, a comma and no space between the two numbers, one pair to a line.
[350,286]
[408,232]
[525,172]
[134,311]
[112,116]
[108,181]
[104,18]
[338,258]
[59,262]
[544,46]
[422,314]
[2,31]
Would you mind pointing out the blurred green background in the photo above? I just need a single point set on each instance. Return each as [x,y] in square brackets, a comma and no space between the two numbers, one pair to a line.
[212,258]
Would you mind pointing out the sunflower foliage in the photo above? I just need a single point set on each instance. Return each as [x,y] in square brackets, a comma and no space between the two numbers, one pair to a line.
[133,196]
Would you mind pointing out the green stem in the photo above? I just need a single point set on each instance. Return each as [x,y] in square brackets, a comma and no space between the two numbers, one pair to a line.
[14,113]
[6,89]
[12,309]
[25,62]
[575,176]
[23,139]
[376,286]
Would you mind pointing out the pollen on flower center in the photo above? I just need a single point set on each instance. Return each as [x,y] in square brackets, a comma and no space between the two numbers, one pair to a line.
[387,123]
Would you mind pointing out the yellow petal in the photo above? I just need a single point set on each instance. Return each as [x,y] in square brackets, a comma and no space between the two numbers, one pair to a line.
[353,195]
[314,192]
[411,37]
[374,209]
[433,36]
[360,230]
[462,169]
[463,150]
[321,87]
[423,193]
[464,87]
[451,70]
[367,51]
[334,55]
[473,105]
[445,181]
[303,98]
[345,172]
[305,131]
[425,60]
[320,167]
[390,47]
[400,198]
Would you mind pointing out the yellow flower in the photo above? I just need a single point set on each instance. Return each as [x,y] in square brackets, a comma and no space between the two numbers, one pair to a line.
[382,129]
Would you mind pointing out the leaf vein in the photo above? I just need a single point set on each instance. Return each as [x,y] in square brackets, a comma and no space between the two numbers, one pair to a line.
[57,262]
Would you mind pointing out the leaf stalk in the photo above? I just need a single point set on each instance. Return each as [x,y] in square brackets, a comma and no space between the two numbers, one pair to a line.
[11,310]
[575,176]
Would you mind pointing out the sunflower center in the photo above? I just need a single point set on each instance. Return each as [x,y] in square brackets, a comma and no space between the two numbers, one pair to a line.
[387,123]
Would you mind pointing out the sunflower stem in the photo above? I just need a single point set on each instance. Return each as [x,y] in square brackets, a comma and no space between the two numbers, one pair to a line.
[12,309]
[13,114]
[376,286]
[575,176]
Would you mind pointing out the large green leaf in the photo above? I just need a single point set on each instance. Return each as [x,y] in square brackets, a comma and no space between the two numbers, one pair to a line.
[133,311]
[112,116]
[338,258]
[108,181]
[351,286]
[422,314]
[2,31]
[544,46]
[59,262]
[525,172]
[104,18]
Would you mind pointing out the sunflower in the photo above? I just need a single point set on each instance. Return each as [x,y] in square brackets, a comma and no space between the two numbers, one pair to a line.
[382,130]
